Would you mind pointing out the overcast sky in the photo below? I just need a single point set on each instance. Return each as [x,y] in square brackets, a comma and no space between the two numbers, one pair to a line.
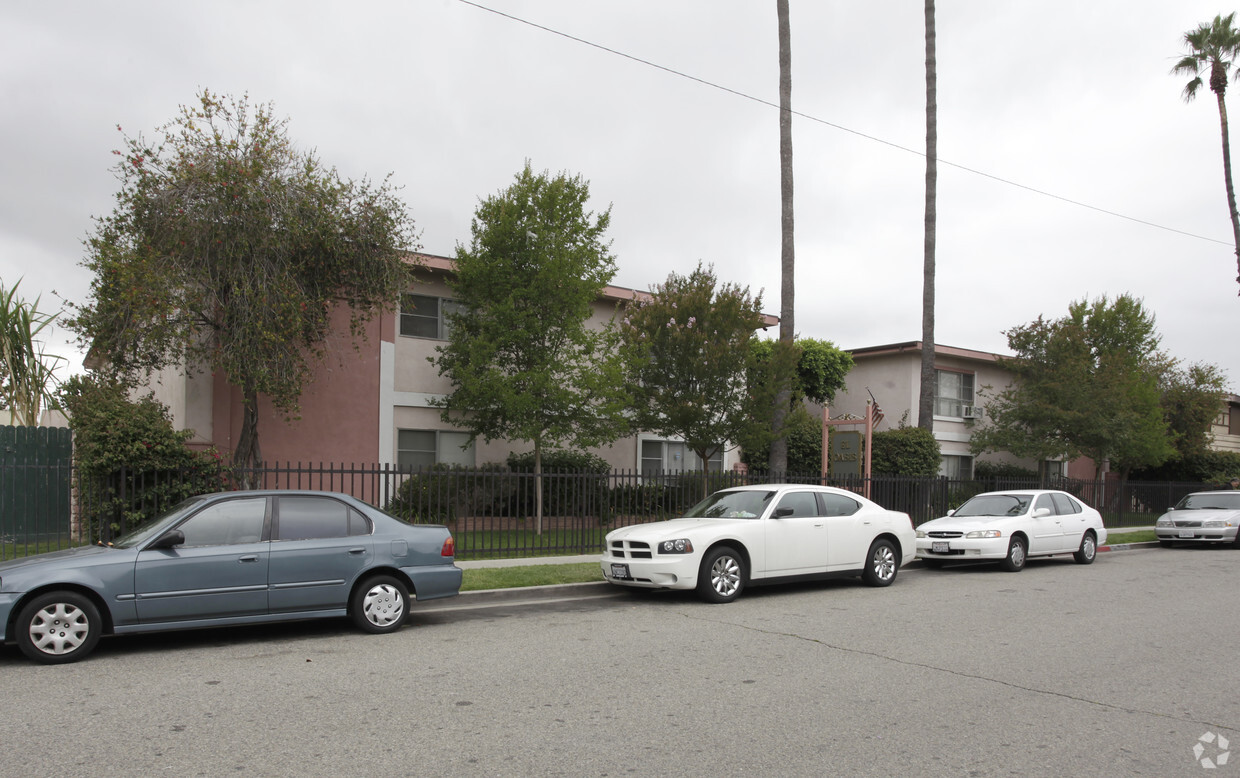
[1070,167]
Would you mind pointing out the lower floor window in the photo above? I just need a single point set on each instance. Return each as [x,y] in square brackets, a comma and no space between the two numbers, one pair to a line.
[424,448]
[957,468]
[670,456]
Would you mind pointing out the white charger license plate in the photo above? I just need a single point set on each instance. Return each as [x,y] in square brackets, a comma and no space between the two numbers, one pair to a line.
[941,547]
[1187,533]
[621,572]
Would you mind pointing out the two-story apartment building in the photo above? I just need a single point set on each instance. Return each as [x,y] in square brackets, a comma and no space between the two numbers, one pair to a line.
[891,375]
[371,401]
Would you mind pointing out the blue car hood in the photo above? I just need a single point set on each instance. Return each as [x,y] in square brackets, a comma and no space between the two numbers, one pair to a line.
[79,555]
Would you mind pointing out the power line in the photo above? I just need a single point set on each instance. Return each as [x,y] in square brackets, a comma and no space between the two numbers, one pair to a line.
[840,127]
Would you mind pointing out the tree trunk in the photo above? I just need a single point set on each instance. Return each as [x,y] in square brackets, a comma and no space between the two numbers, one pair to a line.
[248,455]
[925,404]
[538,488]
[1231,190]
[787,331]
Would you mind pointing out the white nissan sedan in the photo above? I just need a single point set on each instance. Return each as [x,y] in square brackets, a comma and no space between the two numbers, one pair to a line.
[1009,527]
[762,534]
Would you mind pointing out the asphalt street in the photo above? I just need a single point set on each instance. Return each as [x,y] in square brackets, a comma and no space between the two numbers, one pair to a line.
[1117,668]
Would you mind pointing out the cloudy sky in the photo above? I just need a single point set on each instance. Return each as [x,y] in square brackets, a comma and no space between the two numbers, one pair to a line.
[1070,167]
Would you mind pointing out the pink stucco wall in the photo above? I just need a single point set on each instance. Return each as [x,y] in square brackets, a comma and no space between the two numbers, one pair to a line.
[339,405]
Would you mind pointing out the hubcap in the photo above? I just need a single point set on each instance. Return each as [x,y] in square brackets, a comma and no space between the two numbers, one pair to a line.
[1018,554]
[884,563]
[60,628]
[383,605]
[725,576]
[1089,548]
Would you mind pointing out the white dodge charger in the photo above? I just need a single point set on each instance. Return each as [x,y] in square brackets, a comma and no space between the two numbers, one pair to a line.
[762,534]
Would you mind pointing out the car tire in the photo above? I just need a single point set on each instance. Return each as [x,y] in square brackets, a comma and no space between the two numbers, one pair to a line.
[1017,554]
[721,578]
[1088,551]
[58,627]
[882,563]
[379,605]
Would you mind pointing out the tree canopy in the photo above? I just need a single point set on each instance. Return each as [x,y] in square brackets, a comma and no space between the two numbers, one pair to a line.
[522,358]
[229,249]
[1085,384]
[693,372]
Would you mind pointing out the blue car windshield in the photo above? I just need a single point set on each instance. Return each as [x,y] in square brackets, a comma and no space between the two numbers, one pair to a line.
[731,505]
[157,525]
[995,505]
[1210,501]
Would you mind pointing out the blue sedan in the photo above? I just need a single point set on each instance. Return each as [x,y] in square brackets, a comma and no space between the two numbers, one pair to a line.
[227,559]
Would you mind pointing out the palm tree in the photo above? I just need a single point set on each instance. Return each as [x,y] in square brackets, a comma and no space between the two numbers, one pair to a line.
[925,404]
[778,461]
[1213,48]
[27,372]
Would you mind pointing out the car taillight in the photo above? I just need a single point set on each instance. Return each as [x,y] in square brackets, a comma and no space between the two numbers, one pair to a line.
[449,547]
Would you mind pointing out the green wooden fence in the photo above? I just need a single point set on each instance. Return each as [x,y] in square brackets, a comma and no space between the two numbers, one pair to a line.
[35,483]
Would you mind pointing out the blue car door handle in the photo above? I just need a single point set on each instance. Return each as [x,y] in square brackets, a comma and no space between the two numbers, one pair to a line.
[359,550]
[249,558]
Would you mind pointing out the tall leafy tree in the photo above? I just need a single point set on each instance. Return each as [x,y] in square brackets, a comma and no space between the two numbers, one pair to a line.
[522,358]
[925,399]
[787,254]
[1086,384]
[27,371]
[691,368]
[229,249]
[1212,51]
[1191,398]
[820,370]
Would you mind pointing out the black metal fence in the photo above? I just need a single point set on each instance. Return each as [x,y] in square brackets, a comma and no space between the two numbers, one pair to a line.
[494,512]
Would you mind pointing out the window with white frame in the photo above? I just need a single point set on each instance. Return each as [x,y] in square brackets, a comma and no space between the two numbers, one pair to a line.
[953,392]
[423,316]
[956,467]
[424,448]
[670,456]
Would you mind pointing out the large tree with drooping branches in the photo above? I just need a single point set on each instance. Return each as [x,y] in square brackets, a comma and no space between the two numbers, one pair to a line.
[228,249]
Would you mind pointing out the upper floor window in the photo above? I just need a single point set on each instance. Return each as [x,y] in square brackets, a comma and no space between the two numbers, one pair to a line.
[423,448]
[953,393]
[423,316]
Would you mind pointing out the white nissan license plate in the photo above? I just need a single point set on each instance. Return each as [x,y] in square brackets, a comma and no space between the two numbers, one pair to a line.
[621,572]
[941,547]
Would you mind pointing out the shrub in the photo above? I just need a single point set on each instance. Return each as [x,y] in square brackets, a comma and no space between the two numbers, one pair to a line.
[905,451]
[804,445]
[132,464]
[442,493]
[985,470]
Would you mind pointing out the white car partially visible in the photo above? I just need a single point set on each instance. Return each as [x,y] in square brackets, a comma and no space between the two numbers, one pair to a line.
[1201,516]
[1011,526]
[762,534]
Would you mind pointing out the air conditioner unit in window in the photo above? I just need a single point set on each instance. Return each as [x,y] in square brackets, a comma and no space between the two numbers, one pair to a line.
[971,411]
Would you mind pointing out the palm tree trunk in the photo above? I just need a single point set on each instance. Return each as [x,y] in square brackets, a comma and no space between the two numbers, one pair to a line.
[787,331]
[925,404]
[1231,190]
